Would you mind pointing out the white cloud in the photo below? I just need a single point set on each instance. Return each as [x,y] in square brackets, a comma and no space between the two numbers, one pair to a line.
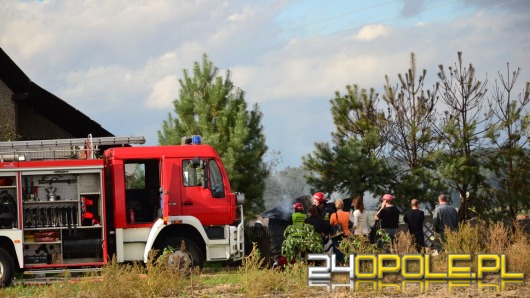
[371,32]
[163,93]
[125,57]
[245,14]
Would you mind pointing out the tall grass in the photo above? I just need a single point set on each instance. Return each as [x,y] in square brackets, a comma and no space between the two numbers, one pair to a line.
[495,238]
[518,251]
[467,239]
[403,244]
[259,281]
[161,278]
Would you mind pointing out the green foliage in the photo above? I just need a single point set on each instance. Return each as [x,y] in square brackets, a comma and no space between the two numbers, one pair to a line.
[383,237]
[322,164]
[422,184]
[353,163]
[301,240]
[358,244]
[211,106]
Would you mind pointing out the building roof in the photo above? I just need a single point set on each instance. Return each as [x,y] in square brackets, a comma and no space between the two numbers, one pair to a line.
[45,103]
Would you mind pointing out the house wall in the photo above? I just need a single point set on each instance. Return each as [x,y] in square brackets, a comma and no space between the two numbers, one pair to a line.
[18,122]
[7,114]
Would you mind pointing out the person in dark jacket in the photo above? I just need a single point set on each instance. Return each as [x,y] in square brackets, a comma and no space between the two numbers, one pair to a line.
[324,209]
[414,218]
[321,226]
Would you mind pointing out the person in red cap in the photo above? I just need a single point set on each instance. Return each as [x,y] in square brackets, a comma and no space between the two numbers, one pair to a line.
[389,216]
[299,216]
[324,209]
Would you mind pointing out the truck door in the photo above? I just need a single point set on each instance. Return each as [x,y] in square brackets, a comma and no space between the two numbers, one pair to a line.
[171,184]
[203,191]
[142,191]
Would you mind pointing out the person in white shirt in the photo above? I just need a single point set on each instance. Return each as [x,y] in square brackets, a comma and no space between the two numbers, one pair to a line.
[359,217]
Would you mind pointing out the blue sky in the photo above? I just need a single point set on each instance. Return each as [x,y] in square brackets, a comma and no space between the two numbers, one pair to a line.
[119,61]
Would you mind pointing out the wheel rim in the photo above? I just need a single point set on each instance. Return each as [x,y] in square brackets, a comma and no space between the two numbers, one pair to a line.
[1,270]
[180,260]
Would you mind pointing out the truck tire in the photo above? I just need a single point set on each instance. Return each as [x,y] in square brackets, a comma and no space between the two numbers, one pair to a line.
[7,268]
[189,257]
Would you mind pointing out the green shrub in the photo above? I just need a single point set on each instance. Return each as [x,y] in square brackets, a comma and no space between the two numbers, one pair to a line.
[301,240]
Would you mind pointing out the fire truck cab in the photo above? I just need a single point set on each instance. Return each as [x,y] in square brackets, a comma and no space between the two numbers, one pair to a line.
[63,206]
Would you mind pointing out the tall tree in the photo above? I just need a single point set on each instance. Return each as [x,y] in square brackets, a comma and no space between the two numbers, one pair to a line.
[353,162]
[209,105]
[461,134]
[411,114]
[509,135]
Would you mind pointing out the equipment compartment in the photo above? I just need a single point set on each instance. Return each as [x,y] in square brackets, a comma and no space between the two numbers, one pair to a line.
[86,244]
[42,247]
[61,218]
[8,202]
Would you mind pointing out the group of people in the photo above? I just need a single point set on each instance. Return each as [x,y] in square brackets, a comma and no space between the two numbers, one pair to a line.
[444,216]
[323,217]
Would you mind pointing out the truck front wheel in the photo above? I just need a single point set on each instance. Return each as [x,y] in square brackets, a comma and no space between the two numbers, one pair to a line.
[184,254]
[7,268]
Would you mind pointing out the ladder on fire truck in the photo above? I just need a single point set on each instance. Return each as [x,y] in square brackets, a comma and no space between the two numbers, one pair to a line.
[80,148]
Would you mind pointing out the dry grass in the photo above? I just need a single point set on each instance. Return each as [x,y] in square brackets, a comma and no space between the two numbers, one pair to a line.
[257,281]
[467,239]
[498,239]
[159,279]
[518,252]
[403,244]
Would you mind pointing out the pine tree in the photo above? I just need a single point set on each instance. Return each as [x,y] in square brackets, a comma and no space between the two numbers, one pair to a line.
[461,134]
[411,114]
[211,106]
[510,134]
[353,163]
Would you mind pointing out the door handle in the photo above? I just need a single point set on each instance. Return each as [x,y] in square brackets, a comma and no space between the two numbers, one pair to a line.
[187,203]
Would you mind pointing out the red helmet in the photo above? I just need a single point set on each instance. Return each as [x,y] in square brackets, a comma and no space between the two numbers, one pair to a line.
[298,207]
[319,196]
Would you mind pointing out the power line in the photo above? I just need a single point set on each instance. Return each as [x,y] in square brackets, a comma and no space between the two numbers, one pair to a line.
[162,60]
[347,13]
[364,25]
[288,44]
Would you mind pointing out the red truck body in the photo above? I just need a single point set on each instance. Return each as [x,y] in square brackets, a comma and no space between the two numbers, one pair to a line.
[65,212]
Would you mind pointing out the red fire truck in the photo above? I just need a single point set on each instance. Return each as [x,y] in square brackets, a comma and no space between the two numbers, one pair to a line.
[64,206]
